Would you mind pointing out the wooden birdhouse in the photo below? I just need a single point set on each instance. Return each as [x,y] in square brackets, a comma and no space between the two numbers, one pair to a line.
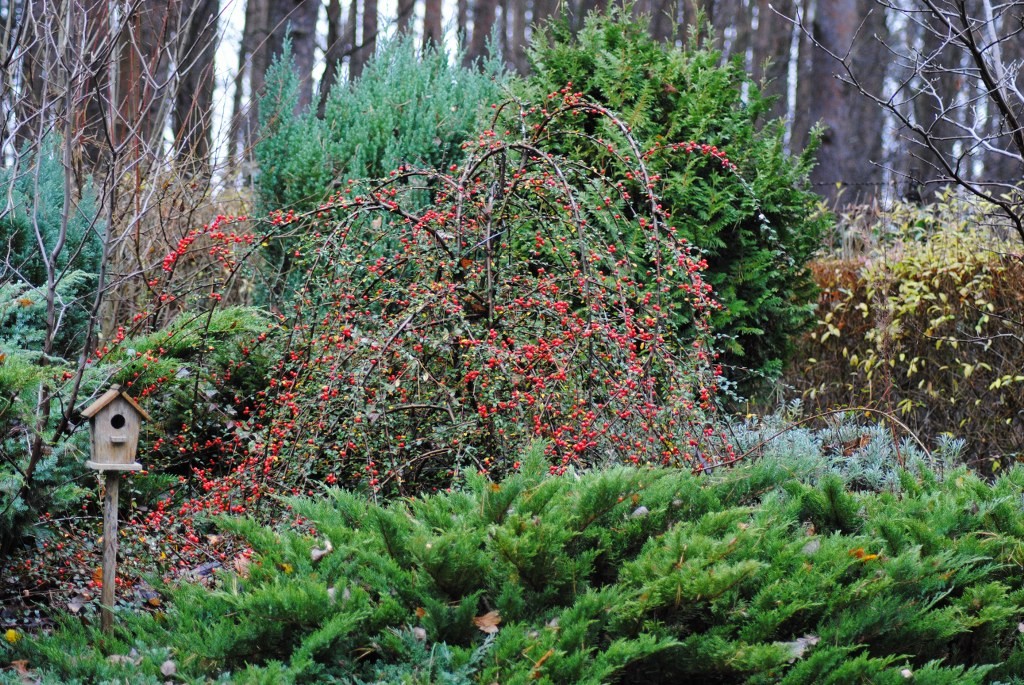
[114,421]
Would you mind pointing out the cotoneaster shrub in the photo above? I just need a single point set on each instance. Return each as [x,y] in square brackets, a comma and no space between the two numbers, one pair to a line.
[421,347]
[756,228]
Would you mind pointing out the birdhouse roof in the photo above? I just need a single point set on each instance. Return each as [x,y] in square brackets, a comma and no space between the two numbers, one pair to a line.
[108,397]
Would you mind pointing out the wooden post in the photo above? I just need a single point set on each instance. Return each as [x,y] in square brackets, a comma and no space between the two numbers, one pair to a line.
[114,420]
[113,482]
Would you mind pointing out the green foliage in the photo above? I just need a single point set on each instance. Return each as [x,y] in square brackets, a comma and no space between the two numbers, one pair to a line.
[192,370]
[409,108]
[40,226]
[757,228]
[422,346]
[32,214]
[624,575]
[928,322]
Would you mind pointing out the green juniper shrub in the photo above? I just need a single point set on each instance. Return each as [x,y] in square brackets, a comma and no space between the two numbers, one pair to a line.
[409,108]
[33,353]
[757,227]
[650,575]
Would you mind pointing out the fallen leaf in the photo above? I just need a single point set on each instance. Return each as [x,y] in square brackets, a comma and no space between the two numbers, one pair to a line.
[851,446]
[317,553]
[420,612]
[488,623]
[859,553]
[241,564]
[123,660]
[800,645]
[168,668]
[20,666]
[639,512]
[419,633]
[76,603]
[811,547]
[97,575]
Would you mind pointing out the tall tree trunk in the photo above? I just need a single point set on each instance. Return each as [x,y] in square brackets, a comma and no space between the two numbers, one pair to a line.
[771,48]
[406,14]
[25,104]
[194,97]
[516,54]
[731,20]
[336,49]
[367,45]
[851,147]
[296,19]
[433,24]
[484,12]
[462,22]
[256,58]
[664,18]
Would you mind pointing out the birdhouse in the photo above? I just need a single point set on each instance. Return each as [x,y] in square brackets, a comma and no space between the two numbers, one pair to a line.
[114,421]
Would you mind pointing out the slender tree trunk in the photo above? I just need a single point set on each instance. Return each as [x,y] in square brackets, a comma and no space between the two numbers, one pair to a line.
[256,50]
[367,45]
[484,12]
[771,47]
[462,22]
[296,19]
[336,49]
[516,54]
[664,17]
[194,97]
[433,24]
[406,14]
[851,147]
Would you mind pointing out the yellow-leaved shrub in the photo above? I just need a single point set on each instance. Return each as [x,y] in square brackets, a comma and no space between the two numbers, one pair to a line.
[927,322]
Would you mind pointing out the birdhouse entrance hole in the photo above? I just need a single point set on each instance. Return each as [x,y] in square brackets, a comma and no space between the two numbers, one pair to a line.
[117,421]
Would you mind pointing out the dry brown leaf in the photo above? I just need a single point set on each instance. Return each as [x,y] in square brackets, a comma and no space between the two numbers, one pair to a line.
[76,603]
[488,623]
[859,443]
[241,564]
[317,553]
[420,612]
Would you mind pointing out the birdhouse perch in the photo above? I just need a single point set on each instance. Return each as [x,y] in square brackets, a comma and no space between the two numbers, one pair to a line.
[114,422]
